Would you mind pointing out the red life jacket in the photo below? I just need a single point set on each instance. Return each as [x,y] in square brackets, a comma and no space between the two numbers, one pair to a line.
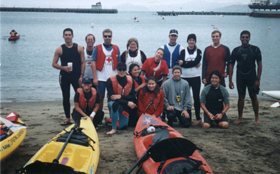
[101,57]
[118,89]
[142,79]
[147,102]
[83,100]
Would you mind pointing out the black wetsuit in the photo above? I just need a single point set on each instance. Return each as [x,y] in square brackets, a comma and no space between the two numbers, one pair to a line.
[246,58]
[65,78]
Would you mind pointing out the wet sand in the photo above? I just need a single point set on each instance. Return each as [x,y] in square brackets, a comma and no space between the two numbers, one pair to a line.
[244,148]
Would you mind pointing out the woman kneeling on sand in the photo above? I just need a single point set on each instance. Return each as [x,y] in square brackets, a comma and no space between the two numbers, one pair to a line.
[215,102]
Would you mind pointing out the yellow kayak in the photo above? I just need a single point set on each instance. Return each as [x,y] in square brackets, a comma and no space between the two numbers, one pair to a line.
[13,137]
[81,153]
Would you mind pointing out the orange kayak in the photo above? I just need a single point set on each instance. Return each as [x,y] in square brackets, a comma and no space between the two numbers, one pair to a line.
[14,37]
[173,154]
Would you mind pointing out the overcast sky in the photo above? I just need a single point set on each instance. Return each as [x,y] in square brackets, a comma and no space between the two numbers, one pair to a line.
[149,4]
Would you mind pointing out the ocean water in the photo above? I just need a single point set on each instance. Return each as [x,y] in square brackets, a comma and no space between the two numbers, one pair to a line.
[26,64]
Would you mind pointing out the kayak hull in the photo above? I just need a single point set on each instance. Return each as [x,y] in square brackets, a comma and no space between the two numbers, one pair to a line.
[81,153]
[272,94]
[11,38]
[11,143]
[142,143]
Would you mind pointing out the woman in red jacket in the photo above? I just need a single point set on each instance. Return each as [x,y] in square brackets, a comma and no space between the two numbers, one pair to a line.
[150,99]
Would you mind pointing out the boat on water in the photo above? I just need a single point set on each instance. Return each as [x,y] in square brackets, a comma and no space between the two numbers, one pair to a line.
[11,38]
[74,150]
[13,133]
[163,150]
[265,8]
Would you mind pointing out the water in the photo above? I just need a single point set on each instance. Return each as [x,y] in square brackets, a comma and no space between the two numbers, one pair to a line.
[26,65]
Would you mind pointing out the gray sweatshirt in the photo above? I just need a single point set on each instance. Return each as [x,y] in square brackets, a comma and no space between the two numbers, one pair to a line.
[171,89]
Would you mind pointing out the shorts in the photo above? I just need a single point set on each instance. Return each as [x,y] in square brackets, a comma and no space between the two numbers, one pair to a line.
[206,119]
[101,87]
[247,80]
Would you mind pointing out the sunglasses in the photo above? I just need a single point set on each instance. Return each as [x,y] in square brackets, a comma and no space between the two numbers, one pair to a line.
[107,36]
[245,37]
[121,69]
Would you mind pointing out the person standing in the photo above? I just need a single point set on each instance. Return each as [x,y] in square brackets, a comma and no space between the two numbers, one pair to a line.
[133,55]
[172,51]
[246,56]
[71,69]
[190,61]
[86,102]
[90,40]
[105,59]
[121,98]
[177,98]
[215,57]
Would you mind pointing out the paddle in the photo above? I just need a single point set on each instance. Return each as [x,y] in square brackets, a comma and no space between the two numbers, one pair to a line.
[275,105]
[161,135]
[65,144]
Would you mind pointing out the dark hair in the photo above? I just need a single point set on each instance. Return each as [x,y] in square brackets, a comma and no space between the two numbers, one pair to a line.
[217,73]
[245,32]
[161,50]
[67,29]
[131,67]
[146,89]
[90,35]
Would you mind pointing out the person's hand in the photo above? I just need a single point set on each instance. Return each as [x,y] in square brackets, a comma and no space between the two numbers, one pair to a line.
[143,85]
[198,65]
[231,85]
[131,105]
[80,80]
[180,62]
[67,69]
[211,116]
[185,114]
[169,108]
[257,83]
[115,97]
[95,82]
[91,118]
[224,75]
[204,81]
[218,116]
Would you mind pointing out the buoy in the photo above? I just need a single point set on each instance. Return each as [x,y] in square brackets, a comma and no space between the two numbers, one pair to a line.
[269,27]
[162,18]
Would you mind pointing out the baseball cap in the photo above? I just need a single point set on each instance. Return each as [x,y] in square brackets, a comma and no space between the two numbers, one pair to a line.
[173,31]
[86,80]
[121,66]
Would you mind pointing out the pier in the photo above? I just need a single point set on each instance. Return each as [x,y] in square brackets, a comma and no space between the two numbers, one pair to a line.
[176,13]
[63,10]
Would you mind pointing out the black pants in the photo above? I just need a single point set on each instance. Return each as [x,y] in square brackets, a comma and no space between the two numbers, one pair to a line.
[185,122]
[195,84]
[65,82]
[97,119]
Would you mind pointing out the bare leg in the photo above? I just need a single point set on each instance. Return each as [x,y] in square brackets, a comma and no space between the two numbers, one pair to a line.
[255,104]
[223,124]
[196,123]
[240,104]
[205,125]
[113,131]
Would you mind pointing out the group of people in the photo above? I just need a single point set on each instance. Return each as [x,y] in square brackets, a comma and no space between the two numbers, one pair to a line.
[159,85]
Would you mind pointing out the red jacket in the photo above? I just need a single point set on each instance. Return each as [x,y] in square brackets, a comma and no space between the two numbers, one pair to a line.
[149,66]
[149,103]
[101,57]
[118,89]
[83,101]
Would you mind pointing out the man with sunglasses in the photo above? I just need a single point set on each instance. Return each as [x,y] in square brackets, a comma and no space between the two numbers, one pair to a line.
[246,57]
[105,58]
[121,98]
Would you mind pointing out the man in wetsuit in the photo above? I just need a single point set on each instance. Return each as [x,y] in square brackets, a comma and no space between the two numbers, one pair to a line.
[71,69]
[105,58]
[246,56]
[215,57]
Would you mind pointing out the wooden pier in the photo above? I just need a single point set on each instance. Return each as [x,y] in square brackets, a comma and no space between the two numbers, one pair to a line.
[63,10]
[176,13]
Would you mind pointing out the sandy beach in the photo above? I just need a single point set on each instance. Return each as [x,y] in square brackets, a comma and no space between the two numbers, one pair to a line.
[244,148]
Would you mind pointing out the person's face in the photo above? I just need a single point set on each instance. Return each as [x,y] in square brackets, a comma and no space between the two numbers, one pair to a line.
[135,71]
[215,80]
[121,72]
[132,46]
[151,85]
[191,43]
[159,55]
[245,38]
[90,41]
[172,39]
[86,86]
[216,38]
[176,74]
[68,36]
[107,38]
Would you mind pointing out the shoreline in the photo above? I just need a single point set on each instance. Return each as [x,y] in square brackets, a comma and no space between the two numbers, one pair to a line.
[243,148]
